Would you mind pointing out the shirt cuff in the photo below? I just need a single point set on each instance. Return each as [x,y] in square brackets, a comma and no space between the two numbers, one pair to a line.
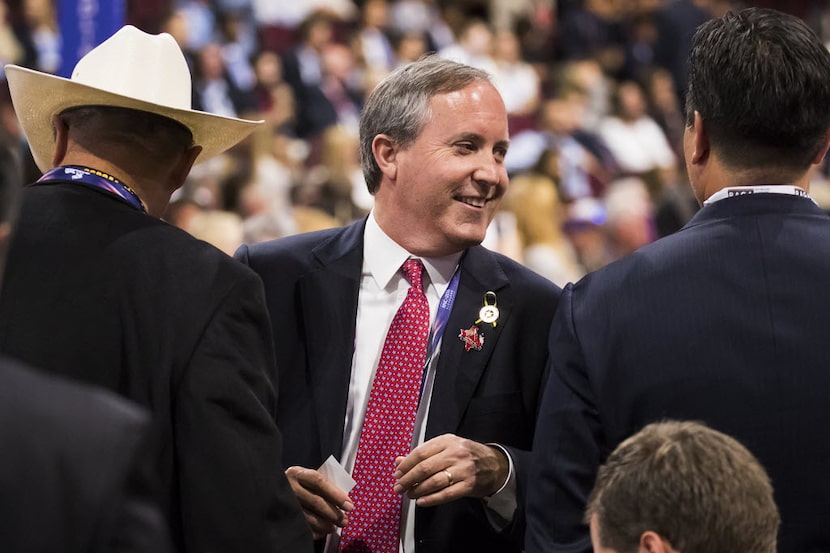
[501,506]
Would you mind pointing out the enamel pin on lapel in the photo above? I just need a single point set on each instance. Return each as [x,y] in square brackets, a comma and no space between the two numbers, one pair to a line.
[489,313]
[471,338]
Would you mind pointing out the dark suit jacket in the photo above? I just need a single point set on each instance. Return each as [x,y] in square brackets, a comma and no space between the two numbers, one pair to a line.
[725,322]
[74,470]
[312,283]
[103,293]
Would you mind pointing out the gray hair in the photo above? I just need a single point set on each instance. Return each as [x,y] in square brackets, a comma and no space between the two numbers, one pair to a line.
[399,105]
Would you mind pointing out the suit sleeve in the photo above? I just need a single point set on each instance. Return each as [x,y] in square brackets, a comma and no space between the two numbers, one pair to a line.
[567,446]
[235,495]
[131,519]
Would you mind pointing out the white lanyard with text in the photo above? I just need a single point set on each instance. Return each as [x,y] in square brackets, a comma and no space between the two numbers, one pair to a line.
[737,191]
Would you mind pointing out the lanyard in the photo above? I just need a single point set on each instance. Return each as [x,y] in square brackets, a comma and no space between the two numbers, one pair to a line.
[738,191]
[98,179]
[443,314]
[441,318]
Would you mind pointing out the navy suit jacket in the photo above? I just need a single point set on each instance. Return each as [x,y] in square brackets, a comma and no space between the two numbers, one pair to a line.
[312,283]
[724,322]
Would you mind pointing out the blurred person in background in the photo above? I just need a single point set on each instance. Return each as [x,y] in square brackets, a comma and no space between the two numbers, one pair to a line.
[200,19]
[213,88]
[409,46]
[629,216]
[533,198]
[302,69]
[236,38]
[638,144]
[44,35]
[559,117]
[508,15]
[376,53]
[586,75]
[676,22]
[585,229]
[273,96]
[280,24]
[592,29]
[267,201]
[516,80]
[219,228]
[422,16]
[474,46]
[175,24]
[341,87]
[664,106]
[338,178]
[11,50]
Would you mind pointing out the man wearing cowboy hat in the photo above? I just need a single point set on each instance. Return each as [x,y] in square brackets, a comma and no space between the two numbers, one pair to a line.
[44,418]
[101,290]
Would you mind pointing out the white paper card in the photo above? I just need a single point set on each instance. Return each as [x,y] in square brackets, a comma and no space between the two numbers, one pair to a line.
[335,472]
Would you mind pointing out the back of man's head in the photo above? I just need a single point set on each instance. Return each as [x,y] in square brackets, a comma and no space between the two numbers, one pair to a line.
[698,489]
[144,136]
[760,80]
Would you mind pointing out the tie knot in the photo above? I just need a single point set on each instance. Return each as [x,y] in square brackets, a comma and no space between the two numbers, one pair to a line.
[413,271]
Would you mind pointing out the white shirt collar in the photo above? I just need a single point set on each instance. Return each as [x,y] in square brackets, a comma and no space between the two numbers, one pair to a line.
[748,190]
[383,257]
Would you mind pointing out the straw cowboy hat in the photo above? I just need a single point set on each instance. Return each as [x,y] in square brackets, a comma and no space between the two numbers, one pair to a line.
[131,69]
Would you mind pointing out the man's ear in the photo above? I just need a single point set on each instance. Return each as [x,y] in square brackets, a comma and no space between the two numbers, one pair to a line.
[61,134]
[386,151]
[700,140]
[823,152]
[652,542]
[183,166]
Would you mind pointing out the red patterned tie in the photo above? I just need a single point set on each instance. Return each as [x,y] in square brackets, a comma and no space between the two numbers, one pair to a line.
[374,523]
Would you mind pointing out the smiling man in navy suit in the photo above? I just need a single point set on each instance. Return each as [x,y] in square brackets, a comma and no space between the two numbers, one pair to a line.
[433,140]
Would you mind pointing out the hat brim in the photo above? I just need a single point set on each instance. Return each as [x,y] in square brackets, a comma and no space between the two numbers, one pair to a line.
[37,97]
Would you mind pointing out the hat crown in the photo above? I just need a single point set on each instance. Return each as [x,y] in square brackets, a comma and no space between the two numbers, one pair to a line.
[138,65]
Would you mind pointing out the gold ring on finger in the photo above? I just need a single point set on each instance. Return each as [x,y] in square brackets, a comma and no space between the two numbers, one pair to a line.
[449,477]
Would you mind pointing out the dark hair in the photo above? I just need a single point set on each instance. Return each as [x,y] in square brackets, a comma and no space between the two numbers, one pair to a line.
[148,134]
[317,17]
[761,82]
[697,488]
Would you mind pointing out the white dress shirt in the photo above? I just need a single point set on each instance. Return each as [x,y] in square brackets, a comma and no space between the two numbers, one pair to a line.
[382,290]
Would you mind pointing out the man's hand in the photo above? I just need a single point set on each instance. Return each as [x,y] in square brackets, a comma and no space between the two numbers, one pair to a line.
[447,468]
[324,504]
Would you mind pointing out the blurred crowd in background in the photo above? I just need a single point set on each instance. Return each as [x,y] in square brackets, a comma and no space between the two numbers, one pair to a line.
[594,91]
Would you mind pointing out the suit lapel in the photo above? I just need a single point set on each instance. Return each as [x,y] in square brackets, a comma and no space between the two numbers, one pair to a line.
[459,371]
[329,303]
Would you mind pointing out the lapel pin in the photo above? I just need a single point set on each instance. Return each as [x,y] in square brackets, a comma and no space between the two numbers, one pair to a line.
[489,313]
[471,338]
